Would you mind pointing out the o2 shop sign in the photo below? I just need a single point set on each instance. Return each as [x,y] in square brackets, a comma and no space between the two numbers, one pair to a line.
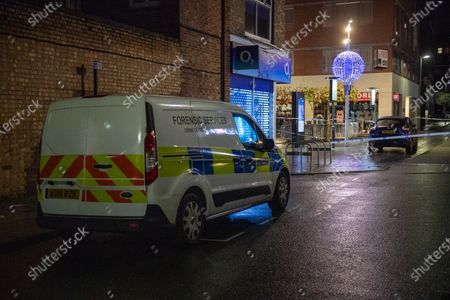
[246,57]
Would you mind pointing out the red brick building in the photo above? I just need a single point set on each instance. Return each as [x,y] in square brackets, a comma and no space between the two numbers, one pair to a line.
[381,33]
[44,47]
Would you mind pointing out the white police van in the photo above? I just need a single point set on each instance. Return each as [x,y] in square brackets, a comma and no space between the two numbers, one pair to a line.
[164,159]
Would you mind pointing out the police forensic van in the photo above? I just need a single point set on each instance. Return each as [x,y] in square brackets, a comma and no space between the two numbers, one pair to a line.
[163,160]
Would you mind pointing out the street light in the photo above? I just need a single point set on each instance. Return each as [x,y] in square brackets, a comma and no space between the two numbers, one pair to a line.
[422,57]
[373,96]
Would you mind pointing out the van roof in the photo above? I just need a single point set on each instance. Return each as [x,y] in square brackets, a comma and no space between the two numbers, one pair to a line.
[153,99]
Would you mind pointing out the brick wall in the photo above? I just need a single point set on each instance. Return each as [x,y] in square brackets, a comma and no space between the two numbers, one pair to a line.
[40,63]
[200,33]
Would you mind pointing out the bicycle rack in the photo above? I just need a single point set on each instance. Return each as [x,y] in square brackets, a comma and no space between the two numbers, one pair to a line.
[312,146]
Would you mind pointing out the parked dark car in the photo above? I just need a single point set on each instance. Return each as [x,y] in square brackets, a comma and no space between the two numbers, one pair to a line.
[391,127]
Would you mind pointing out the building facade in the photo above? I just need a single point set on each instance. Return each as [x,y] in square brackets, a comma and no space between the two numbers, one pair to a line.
[381,33]
[48,52]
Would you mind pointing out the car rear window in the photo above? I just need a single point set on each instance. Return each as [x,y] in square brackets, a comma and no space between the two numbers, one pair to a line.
[390,123]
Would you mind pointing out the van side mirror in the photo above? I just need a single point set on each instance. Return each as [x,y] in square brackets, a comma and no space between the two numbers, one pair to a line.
[269,144]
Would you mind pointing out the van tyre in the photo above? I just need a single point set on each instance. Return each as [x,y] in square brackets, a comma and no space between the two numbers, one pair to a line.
[281,195]
[190,220]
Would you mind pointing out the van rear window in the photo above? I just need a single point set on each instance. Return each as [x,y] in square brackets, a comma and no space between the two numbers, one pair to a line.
[65,129]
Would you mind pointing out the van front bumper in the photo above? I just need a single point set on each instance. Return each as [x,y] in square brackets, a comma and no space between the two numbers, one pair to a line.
[154,218]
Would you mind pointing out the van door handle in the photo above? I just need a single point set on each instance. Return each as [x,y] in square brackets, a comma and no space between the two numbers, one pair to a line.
[102,166]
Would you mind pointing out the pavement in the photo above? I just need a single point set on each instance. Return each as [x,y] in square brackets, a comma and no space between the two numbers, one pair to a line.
[348,235]
[17,224]
[355,156]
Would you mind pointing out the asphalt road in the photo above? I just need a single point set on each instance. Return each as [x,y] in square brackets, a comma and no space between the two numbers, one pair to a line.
[359,238]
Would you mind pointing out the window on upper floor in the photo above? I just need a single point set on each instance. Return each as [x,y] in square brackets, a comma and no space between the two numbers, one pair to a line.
[73,4]
[144,3]
[340,11]
[288,19]
[258,18]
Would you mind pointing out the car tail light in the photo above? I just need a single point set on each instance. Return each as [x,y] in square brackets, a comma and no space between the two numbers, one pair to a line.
[151,159]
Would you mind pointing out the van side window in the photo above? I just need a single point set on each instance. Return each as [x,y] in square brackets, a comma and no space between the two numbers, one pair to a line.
[247,131]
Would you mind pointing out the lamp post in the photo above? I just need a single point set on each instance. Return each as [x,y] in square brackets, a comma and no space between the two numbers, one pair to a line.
[422,57]
[333,99]
[373,98]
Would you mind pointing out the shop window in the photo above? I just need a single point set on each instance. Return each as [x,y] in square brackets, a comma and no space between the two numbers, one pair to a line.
[255,96]
[258,18]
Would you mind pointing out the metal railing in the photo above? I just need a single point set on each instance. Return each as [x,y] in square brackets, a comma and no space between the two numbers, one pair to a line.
[315,129]
[313,147]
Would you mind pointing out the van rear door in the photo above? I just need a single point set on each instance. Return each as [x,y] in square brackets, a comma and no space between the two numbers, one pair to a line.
[61,171]
[115,167]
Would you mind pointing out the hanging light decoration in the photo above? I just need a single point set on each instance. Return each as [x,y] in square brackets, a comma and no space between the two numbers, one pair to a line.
[348,66]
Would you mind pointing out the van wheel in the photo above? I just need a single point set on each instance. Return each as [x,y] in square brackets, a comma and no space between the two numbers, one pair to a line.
[191,220]
[281,196]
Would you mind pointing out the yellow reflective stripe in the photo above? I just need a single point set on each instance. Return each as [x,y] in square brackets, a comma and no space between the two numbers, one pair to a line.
[104,197]
[101,196]
[222,161]
[285,163]
[138,197]
[138,160]
[63,166]
[173,166]
[40,195]
[43,162]
[262,161]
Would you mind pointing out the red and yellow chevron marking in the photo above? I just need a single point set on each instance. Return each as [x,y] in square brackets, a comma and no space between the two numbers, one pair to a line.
[105,196]
[126,170]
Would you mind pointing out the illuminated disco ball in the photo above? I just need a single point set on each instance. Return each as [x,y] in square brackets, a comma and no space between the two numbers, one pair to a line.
[348,66]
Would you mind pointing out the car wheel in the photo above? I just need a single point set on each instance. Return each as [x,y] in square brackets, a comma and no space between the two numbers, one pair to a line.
[410,148]
[414,150]
[191,220]
[281,195]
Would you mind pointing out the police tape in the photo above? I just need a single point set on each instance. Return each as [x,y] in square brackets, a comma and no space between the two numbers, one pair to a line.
[364,140]
[384,138]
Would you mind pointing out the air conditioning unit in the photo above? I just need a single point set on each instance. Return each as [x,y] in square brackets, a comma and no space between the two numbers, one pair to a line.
[381,58]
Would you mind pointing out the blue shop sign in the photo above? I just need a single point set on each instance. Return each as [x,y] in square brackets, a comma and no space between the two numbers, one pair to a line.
[260,63]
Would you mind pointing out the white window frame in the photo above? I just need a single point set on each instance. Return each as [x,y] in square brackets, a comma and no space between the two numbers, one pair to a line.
[255,35]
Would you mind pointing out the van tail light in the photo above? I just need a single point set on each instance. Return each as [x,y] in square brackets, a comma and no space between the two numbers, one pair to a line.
[151,159]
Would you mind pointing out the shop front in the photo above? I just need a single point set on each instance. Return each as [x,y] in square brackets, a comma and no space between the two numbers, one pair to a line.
[364,111]
[256,69]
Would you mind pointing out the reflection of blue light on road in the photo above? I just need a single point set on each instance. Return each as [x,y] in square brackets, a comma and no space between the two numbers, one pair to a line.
[256,214]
